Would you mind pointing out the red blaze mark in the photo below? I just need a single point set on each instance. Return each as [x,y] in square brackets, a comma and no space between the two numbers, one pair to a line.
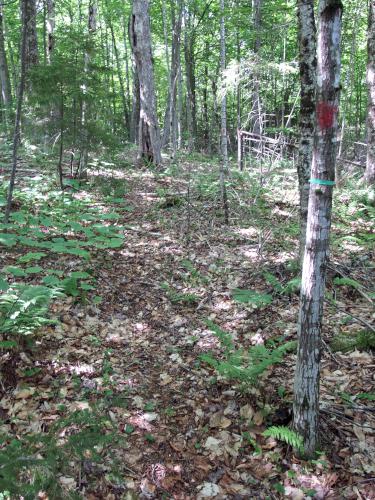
[326,114]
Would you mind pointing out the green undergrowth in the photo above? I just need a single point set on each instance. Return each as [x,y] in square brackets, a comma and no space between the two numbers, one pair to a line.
[50,244]
[245,366]
[46,462]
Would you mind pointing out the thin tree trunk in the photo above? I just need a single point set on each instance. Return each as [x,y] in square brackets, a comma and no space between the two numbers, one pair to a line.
[189,40]
[370,164]
[59,165]
[17,127]
[206,120]
[170,113]
[256,108]
[6,91]
[307,67]
[307,374]
[85,112]
[50,22]
[149,133]
[223,134]
[121,81]
[127,71]
[136,107]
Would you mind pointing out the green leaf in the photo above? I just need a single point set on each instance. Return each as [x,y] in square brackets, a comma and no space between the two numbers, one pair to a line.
[251,297]
[346,282]
[285,434]
[86,286]
[80,275]
[18,272]
[33,270]
[31,256]
[9,240]
[115,242]
[4,285]
[7,344]
[51,280]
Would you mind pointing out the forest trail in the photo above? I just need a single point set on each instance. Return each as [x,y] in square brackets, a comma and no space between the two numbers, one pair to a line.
[155,420]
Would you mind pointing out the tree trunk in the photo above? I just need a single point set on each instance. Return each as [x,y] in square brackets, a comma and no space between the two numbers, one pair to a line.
[6,92]
[17,127]
[121,81]
[256,108]
[307,68]
[306,384]
[50,22]
[189,37]
[223,132]
[136,107]
[370,164]
[29,17]
[170,117]
[149,134]
[85,112]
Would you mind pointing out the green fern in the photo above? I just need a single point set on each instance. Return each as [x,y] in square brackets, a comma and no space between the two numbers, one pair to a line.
[252,297]
[242,365]
[347,282]
[288,436]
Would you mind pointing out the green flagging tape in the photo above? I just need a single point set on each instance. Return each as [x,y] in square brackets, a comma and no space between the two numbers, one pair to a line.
[322,182]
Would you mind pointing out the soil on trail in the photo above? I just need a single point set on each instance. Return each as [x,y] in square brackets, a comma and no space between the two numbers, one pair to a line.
[136,358]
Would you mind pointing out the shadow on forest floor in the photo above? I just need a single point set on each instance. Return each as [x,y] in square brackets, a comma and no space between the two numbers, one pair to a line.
[143,385]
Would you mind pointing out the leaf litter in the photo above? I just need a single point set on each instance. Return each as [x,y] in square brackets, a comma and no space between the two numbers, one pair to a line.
[132,364]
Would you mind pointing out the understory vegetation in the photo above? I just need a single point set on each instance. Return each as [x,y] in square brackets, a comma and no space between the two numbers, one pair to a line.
[148,349]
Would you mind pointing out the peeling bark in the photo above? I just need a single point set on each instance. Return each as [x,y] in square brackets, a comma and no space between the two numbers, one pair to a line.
[307,66]
[306,385]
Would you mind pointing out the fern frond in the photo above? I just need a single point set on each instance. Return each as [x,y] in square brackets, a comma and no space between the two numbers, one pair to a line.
[282,433]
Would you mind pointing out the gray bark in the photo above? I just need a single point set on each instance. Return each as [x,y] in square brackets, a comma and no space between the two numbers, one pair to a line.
[307,67]
[85,112]
[256,108]
[307,375]
[370,164]
[149,133]
[29,17]
[189,41]
[17,127]
[6,91]
[223,131]
[170,118]
[50,22]
[121,80]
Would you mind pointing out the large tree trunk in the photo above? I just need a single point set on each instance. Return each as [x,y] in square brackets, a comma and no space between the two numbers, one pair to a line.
[223,131]
[307,68]
[306,385]
[6,92]
[149,134]
[29,17]
[370,164]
